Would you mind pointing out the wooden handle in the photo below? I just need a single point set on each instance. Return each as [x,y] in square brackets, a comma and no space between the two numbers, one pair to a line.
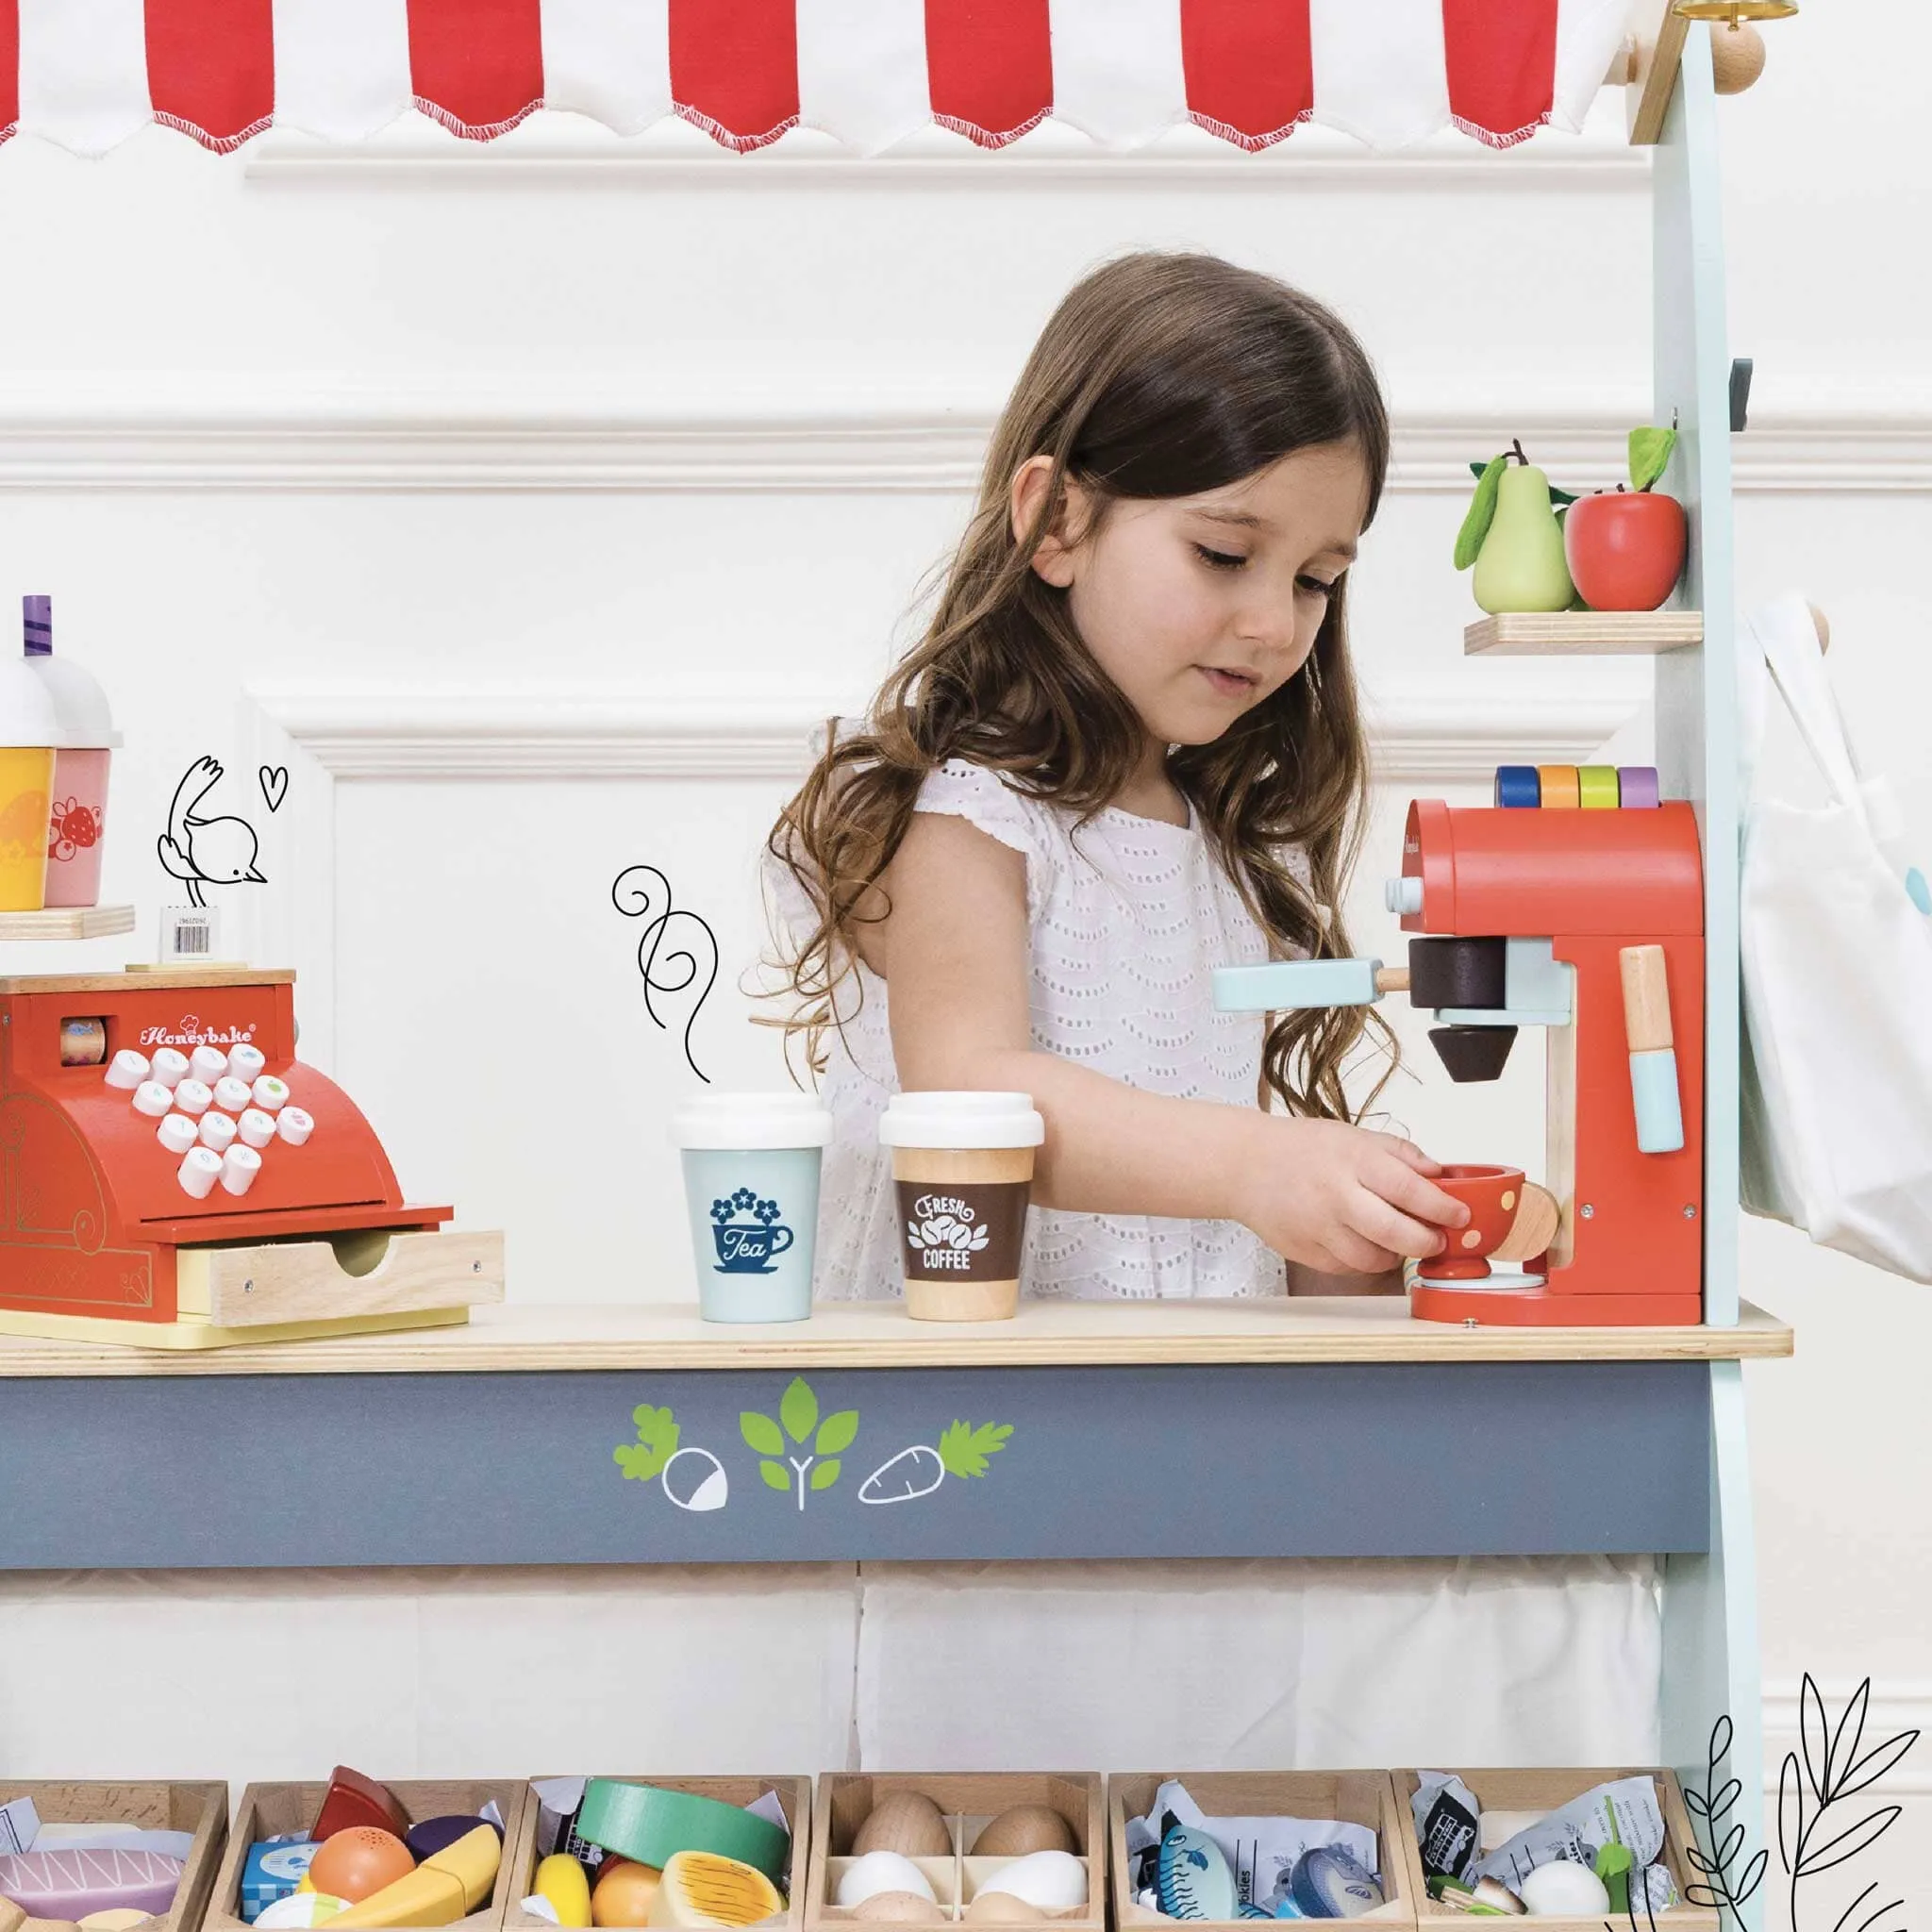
[1646,999]
[1534,1228]
[1391,979]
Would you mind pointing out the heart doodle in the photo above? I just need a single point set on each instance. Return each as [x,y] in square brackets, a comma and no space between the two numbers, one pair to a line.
[274,784]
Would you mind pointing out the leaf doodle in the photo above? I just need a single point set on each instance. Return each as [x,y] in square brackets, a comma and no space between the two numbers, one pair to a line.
[1826,1770]
[632,892]
[799,1409]
[761,1433]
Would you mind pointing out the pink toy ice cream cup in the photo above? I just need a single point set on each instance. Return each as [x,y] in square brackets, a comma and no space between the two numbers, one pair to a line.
[77,816]
[29,732]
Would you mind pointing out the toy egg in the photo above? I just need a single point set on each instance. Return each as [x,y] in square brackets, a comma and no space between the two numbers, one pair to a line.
[362,1860]
[1054,1881]
[1332,1883]
[877,1872]
[623,1894]
[1196,1882]
[300,1909]
[901,1908]
[561,1879]
[1023,1828]
[904,1821]
[1001,1909]
[1563,1889]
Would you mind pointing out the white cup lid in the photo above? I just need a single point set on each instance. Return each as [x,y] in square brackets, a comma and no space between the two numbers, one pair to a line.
[86,721]
[27,717]
[752,1122]
[961,1120]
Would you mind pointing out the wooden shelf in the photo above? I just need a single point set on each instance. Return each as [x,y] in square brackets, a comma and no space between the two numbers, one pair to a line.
[1583,634]
[527,1338]
[68,923]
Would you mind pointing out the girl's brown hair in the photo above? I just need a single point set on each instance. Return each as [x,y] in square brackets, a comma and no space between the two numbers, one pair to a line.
[1158,375]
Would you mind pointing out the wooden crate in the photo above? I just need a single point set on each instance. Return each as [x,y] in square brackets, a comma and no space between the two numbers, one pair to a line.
[267,1810]
[1361,1797]
[1540,1792]
[200,1809]
[794,1795]
[970,1799]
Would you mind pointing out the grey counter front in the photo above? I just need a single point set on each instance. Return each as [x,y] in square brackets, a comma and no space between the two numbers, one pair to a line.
[538,1436]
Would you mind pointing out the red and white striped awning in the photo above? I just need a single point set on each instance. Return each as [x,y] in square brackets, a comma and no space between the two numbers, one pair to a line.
[86,74]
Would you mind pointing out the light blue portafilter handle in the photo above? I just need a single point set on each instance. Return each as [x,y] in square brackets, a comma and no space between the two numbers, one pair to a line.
[1284,984]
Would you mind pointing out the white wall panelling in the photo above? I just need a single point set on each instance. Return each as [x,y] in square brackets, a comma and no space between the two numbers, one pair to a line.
[287,433]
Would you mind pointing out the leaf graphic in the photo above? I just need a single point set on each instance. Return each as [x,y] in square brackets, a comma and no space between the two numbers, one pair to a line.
[826,1474]
[1482,512]
[1650,455]
[838,1432]
[776,1475]
[1790,1810]
[1868,1831]
[1754,1874]
[1726,1797]
[963,1449]
[1693,1801]
[799,1409]
[1814,1738]
[761,1433]
[1874,1764]
[1841,1754]
[657,1442]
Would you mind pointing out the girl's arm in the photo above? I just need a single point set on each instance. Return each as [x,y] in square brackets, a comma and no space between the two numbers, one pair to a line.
[954,950]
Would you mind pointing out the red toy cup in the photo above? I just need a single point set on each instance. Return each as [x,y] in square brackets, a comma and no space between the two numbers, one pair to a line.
[78,827]
[1493,1195]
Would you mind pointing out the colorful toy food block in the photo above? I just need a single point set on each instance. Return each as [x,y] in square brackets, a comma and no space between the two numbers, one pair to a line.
[1535,1793]
[457,1867]
[273,1871]
[660,1828]
[200,1810]
[1359,1797]
[354,1799]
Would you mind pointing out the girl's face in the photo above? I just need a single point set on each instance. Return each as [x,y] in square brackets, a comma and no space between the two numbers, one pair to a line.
[1199,608]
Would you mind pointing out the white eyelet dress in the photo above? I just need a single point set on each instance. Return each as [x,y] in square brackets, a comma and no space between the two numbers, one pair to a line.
[1129,918]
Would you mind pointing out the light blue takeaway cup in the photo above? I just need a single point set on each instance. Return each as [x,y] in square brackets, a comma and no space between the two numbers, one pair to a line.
[751,1181]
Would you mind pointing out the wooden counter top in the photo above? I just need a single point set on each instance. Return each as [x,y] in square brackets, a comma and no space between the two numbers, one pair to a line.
[536,1338]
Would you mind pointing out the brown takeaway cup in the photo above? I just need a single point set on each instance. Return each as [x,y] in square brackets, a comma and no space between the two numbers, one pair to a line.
[963,1167]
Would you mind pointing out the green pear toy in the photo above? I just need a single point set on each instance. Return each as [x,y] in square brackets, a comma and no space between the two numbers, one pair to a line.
[1513,537]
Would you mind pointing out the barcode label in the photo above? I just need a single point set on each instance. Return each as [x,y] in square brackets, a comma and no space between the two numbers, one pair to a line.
[187,935]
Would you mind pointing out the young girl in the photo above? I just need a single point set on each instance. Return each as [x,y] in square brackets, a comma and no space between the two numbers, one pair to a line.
[1127,751]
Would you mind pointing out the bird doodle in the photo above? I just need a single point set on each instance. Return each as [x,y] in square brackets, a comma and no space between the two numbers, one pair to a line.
[205,851]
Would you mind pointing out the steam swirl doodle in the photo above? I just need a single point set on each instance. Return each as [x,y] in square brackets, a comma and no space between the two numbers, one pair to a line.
[632,893]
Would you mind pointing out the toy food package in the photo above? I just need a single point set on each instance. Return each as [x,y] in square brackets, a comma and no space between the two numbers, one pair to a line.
[1623,1813]
[1263,1853]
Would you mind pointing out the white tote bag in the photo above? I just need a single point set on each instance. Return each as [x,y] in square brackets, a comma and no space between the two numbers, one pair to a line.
[1837,952]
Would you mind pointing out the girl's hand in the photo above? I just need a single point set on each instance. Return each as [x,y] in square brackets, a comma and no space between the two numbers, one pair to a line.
[1341,1199]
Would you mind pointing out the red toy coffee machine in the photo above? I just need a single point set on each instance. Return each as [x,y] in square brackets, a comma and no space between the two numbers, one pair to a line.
[172,1175]
[1588,923]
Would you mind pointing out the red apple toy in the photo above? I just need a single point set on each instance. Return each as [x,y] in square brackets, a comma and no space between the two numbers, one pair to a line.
[1626,548]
